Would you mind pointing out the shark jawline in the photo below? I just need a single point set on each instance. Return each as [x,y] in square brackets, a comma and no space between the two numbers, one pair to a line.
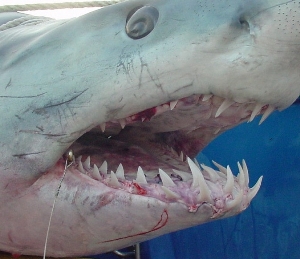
[153,148]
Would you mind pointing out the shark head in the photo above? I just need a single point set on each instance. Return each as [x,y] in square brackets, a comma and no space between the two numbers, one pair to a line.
[105,113]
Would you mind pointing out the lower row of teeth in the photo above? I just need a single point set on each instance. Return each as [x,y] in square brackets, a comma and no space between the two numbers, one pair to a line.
[202,184]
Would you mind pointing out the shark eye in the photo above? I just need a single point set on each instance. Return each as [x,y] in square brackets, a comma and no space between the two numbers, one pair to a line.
[141,21]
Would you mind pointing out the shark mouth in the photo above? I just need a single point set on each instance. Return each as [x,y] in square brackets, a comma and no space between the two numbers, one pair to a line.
[150,153]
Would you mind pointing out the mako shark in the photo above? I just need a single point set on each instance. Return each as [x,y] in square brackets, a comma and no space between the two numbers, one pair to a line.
[105,113]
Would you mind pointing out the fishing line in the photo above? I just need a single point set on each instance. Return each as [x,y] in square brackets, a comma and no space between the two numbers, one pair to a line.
[69,161]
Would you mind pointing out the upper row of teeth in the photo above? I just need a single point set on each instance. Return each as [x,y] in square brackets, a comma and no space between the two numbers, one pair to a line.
[223,107]
[198,180]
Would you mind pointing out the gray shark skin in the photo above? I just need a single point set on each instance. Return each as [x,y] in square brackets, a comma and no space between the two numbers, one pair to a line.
[144,84]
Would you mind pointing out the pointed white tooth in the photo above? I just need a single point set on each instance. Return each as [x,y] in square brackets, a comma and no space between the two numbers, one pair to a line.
[173,151]
[170,194]
[255,111]
[122,123]
[199,181]
[87,163]
[80,167]
[228,188]
[220,167]
[140,176]
[196,162]
[79,158]
[173,104]
[103,168]
[206,97]
[246,173]
[102,126]
[120,172]
[266,114]
[241,176]
[224,106]
[166,179]
[217,131]
[196,172]
[211,172]
[184,175]
[253,191]
[95,173]
[181,156]
[113,181]
[236,201]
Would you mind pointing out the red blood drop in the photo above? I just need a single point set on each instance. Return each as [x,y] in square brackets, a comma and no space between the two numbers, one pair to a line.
[140,190]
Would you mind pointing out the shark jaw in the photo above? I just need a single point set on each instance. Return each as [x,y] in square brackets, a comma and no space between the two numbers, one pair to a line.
[149,153]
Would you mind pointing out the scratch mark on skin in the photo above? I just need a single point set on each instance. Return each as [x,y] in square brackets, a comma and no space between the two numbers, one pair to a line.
[43,134]
[21,97]
[154,80]
[160,224]
[8,84]
[64,102]
[28,154]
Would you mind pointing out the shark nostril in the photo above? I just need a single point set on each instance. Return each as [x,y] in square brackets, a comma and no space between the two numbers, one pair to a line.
[141,21]
[244,23]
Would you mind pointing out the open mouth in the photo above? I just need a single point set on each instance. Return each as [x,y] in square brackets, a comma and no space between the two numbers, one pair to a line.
[149,153]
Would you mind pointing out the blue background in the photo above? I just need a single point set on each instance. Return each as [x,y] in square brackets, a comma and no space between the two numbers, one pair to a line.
[270,227]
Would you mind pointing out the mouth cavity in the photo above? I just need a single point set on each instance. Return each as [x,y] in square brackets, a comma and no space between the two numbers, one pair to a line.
[149,153]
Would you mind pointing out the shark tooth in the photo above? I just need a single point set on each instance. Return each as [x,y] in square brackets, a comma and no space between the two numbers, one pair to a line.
[181,156]
[224,106]
[206,97]
[246,173]
[173,104]
[79,158]
[95,173]
[87,163]
[217,131]
[253,191]
[266,114]
[196,162]
[170,194]
[173,151]
[241,176]
[211,172]
[220,167]
[199,181]
[113,181]
[103,168]
[236,201]
[120,172]
[80,167]
[255,111]
[196,172]
[102,126]
[140,176]
[228,188]
[166,179]
[122,123]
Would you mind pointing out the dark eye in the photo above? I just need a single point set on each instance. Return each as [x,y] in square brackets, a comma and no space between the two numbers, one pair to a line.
[141,21]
